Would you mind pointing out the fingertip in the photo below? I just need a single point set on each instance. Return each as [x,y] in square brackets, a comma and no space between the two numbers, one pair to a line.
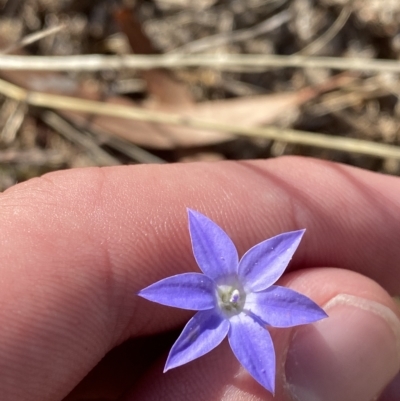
[350,356]
[354,352]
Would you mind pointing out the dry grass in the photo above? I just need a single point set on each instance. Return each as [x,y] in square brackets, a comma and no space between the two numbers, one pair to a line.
[212,51]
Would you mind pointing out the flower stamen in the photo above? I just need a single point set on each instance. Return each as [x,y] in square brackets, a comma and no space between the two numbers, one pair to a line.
[235,296]
[230,299]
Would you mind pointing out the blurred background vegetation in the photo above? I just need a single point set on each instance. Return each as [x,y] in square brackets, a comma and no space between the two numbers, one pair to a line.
[236,110]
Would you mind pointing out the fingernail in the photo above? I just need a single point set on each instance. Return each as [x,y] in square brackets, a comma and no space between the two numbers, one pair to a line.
[351,355]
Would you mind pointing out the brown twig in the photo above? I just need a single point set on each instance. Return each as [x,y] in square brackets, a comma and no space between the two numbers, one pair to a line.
[221,39]
[98,155]
[33,157]
[32,38]
[330,33]
[13,123]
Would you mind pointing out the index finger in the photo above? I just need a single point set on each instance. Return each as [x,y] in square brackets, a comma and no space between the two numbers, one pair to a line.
[78,245]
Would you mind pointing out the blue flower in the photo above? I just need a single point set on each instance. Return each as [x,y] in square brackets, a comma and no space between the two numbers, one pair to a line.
[234,298]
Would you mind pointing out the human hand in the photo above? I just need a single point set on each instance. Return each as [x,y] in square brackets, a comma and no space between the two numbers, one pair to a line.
[76,246]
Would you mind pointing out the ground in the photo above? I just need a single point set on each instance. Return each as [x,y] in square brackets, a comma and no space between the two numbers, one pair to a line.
[343,104]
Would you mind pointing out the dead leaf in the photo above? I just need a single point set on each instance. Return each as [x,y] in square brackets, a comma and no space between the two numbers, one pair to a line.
[162,86]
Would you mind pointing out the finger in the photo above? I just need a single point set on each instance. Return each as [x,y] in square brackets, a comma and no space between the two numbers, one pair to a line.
[351,355]
[121,368]
[78,245]
[392,391]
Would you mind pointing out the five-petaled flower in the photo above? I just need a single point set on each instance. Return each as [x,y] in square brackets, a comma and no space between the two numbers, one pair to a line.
[234,298]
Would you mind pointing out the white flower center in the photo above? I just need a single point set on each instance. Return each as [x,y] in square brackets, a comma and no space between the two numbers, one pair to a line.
[231,299]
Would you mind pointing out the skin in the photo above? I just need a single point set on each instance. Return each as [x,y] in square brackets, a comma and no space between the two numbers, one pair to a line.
[77,245]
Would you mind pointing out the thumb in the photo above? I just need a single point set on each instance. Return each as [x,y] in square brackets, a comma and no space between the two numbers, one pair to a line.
[351,355]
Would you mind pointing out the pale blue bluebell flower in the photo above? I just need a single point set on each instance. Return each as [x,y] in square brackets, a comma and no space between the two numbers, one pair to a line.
[234,298]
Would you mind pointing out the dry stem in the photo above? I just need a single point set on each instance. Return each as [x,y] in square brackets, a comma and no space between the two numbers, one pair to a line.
[284,135]
[237,62]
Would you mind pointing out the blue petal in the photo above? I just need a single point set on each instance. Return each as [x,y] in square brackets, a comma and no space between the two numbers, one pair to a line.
[213,250]
[263,264]
[282,307]
[253,347]
[204,332]
[193,291]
